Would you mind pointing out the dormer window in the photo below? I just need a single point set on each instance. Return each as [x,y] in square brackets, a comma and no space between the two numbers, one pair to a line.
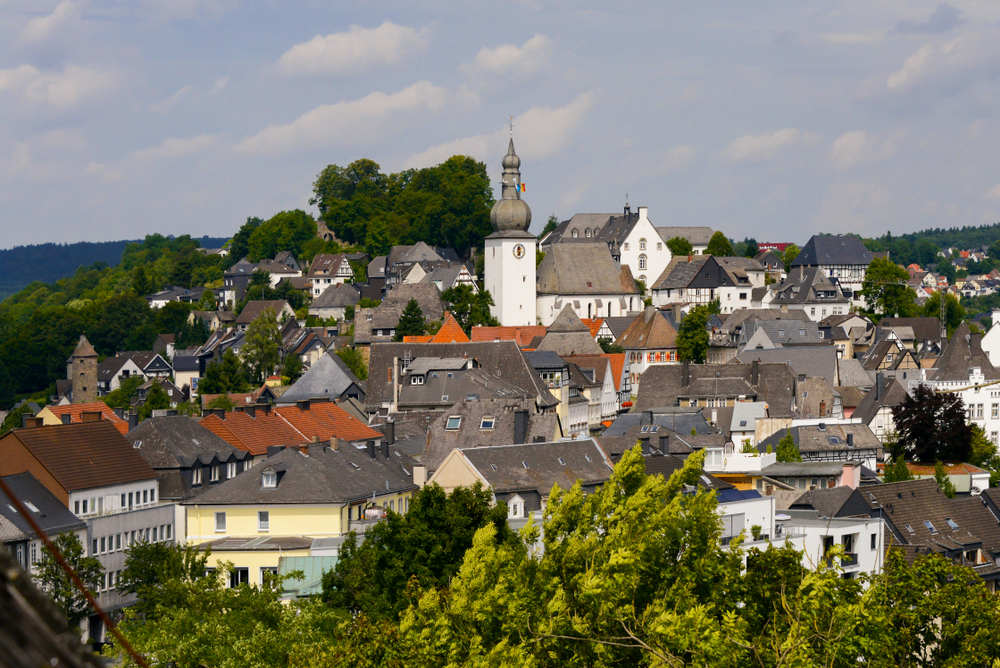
[196,475]
[416,380]
[454,422]
[269,479]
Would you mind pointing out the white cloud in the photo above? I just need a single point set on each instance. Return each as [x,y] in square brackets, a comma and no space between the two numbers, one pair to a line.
[219,84]
[853,148]
[944,68]
[352,122]
[354,51]
[512,60]
[44,27]
[539,133]
[173,147]
[678,158]
[74,85]
[163,106]
[751,148]
[62,140]
[913,68]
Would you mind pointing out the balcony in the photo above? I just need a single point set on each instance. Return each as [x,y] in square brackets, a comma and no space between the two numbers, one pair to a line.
[847,561]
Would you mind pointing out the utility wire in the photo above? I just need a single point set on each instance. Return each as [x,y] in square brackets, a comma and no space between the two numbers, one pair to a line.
[54,551]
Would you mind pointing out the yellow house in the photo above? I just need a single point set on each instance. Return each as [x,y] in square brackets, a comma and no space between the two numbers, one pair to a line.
[279,507]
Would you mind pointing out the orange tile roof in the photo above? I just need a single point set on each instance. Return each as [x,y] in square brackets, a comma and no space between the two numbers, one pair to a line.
[74,411]
[521,335]
[450,332]
[617,367]
[326,420]
[253,434]
[594,324]
[426,338]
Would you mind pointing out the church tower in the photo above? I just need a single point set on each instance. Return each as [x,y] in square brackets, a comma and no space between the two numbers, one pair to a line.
[510,251]
[82,371]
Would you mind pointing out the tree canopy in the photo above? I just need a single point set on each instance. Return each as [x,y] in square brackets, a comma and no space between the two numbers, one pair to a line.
[932,426]
[787,450]
[411,321]
[719,246]
[58,586]
[692,336]
[885,290]
[680,246]
[445,205]
[470,308]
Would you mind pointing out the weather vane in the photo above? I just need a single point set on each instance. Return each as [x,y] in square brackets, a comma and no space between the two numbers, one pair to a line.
[512,125]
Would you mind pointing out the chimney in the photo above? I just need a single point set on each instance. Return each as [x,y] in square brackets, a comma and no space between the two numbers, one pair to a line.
[28,422]
[272,450]
[335,444]
[520,426]
[755,372]
[879,386]
[265,408]
[647,416]
[685,373]
[120,412]
[644,442]
[65,418]
[665,444]
[642,213]
[218,412]
[385,449]
[420,475]
[371,449]
[390,432]
[315,438]
[250,410]
[303,405]
[91,416]
[850,475]
[171,413]
[133,420]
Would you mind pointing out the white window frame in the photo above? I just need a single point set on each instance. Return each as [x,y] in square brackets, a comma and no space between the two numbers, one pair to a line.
[220,521]
[269,479]
[263,520]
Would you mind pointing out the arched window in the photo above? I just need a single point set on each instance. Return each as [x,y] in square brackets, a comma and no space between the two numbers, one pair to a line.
[642,244]
[588,232]
[576,233]
[642,262]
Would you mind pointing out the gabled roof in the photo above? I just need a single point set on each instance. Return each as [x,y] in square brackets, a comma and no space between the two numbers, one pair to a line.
[811,438]
[327,377]
[450,331]
[662,384]
[337,296]
[253,434]
[649,330]
[257,307]
[964,351]
[324,476]
[537,467]
[679,272]
[698,236]
[560,272]
[441,440]
[325,264]
[178,442]
[893,395]
[501,358]
[47,510]
[567,335]
[812,362]
[83,456]
[326,420]
[76,411]
[826,249]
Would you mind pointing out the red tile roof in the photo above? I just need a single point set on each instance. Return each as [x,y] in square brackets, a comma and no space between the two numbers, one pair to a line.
[617,367]
[425,338]
[253,434]
[594,324]
[76,410]
[325,420]
[83,455]
[288,425]
[521,335]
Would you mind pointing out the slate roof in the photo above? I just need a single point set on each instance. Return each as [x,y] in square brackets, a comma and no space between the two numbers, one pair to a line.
[833,437]
[668,464]
[850,396]
[924,329]
[441,441]
[580,222]
[785,332]
[870,405]
[560,272]
[442,389]
[827,502]
[110,366]
[324,476]
[535,467]
[662,384]
[964,350]
[501,358]
[337,296]
[650,330]
[76,411]
[567,335]
[83,348]
[853,374]
[327,377]
[679,272]
[52,515]
[828,249]
[83,455]
[808,285]
[698,236]
[178,442]
[813,362]
[428,296]
[619,324]
[257,307]
[326,264]
[811,393]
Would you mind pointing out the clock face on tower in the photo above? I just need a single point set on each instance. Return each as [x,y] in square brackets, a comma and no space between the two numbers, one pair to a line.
[519,251]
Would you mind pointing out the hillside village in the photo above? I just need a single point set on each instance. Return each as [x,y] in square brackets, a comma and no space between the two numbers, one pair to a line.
[324,396]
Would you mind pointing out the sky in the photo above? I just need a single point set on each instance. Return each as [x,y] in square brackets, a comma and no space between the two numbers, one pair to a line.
[774,120]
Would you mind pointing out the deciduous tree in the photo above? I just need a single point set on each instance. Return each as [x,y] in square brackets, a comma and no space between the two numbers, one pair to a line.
[932,426]
[679,246]
[470,308]
[153,572]
[58,586]
[719,245]
[692,336]
[885,290]
[788,451]
[262,350]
